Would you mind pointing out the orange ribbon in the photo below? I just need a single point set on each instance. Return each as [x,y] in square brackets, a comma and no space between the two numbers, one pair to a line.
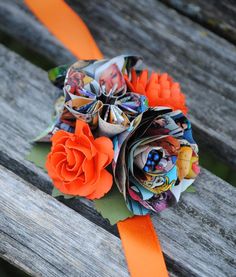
[140,242]
[142,247]
[67,27]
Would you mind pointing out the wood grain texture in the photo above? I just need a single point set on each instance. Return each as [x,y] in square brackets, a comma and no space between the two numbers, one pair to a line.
[25,109]
[45,238]
[218,16]
[201,229]
[30,35]
[198,236]
[202,62]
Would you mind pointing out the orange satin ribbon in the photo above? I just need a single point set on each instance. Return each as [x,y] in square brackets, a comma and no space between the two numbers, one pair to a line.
[140,242]
[66,26]
[142,247]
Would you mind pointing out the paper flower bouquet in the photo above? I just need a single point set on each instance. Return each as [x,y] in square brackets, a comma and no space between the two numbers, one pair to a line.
[120,128]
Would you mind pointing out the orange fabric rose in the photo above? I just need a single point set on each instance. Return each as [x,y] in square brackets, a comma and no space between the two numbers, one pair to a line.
[77,162]
[160,89]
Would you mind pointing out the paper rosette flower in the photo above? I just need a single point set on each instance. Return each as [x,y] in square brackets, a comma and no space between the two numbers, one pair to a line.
[96,92]
[155,160]
[77,162]
[155,157]
[160,89]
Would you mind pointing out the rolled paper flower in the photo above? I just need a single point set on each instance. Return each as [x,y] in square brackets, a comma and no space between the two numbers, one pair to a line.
[155,160]
[96,92]
[77,162]
[160,89]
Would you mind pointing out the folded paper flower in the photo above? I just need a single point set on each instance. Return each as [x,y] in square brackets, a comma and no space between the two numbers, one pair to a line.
[160,89]
[155,156]
[155,160]
[77,162]
[96,92]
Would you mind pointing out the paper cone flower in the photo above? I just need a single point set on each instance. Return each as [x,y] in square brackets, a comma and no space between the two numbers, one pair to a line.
[160,89]
[77,162]
[96,92]
[155,155]
[155,160]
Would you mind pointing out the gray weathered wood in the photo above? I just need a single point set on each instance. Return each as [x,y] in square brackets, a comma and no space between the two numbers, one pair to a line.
[29,34]
[202,62]
[198,236]
[26,107]
[45,238]
[201,229]
[218,16]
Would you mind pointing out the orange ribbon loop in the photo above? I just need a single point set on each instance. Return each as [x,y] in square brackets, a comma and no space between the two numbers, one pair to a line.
[66,26]
[142,247]
[139,239]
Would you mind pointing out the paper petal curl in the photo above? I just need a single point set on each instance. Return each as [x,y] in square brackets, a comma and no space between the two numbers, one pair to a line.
[96,92]
[155,160]
[77,162]
[159,88]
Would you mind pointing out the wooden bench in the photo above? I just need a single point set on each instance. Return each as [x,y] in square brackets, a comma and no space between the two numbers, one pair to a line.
[44,237]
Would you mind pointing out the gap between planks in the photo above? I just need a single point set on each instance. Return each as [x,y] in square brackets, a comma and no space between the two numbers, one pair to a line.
[202,62]
[197,230]
[45,238]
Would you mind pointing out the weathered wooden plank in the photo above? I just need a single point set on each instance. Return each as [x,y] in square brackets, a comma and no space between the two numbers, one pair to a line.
[202,229]
[202,62]
[218,16]
[31,35]
[197,236]
[45,238]
[26,107]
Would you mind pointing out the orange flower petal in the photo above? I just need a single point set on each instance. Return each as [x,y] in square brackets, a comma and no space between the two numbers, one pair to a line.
[57,157]
[92,168]
[157,88]
[74,158]
[58,169]
[140,88]
[71,157]
[134,76]
[151,95]
[59,137]
[66,174]
[58,148]
[103,185]
[143,78]
[88,151]
[129,84]
[78,187]
[76,162]
[83,128]
[51,171]
[104,145]
[88,168]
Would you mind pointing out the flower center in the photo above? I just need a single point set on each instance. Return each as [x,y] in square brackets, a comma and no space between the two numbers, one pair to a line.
[106,99]
[153,159]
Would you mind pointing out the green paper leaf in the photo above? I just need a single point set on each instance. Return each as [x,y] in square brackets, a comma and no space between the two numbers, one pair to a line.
[38,154]
[112,206]
[191,189]
[44,132]
[57,193]
[57,75]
